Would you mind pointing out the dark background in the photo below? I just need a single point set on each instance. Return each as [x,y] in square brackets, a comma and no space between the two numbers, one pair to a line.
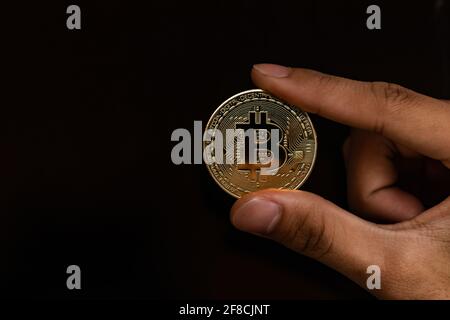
[85,171]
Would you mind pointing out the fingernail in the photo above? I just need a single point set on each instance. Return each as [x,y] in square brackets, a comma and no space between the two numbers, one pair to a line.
[257,216]
[273,70]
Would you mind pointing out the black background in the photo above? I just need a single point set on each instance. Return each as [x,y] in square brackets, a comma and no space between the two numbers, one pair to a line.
[85,171]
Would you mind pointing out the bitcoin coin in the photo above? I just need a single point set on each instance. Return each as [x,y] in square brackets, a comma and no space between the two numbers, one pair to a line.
[272,144]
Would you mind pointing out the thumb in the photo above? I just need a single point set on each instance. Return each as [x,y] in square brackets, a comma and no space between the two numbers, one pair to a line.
[314,227]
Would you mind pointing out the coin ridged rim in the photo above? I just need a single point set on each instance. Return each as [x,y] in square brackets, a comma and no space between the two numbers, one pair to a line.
[276,98]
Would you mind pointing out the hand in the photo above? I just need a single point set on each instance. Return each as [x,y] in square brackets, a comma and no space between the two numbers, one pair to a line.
[391,123]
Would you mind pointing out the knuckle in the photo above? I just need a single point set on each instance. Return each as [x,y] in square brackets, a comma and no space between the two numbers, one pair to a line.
[391,94]
[324,79]
[309,234]
[391,98]
[327,82]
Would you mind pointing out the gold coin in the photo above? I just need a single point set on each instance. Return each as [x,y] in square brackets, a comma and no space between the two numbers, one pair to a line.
[255,141]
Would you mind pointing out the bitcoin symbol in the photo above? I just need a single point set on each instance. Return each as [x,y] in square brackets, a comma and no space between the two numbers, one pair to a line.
[276,144]
[260,131]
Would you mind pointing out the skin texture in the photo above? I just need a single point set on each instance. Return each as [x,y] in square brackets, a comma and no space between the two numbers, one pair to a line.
[397,133]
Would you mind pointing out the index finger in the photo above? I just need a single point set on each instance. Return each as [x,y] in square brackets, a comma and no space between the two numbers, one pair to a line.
[417,121]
